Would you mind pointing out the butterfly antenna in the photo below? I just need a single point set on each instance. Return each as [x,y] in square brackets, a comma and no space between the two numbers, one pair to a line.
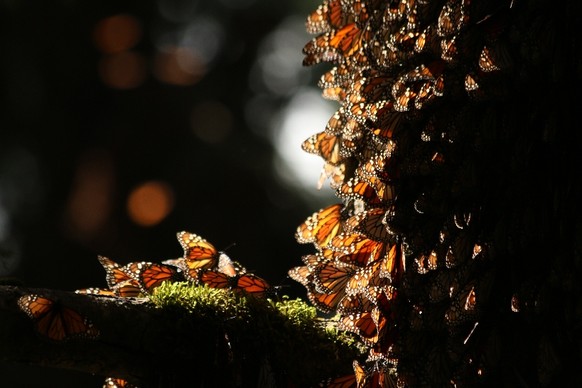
[229,246]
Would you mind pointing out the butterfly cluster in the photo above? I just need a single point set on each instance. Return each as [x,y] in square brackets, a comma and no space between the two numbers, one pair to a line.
[201,264]
[400,257]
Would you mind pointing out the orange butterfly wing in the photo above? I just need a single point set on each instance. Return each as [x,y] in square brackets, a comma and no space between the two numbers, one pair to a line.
[253,285]
[348,381]
[115,273]
[96,291]
[54,320]
[152,275]
[216,279]
[198,253]
[321,226]
[114,382]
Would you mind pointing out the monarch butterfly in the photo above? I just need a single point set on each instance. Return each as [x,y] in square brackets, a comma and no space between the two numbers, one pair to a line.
[216,279]
[55,321]
[247,283]
[451,20]
[324,145]
[96,291]
[335,84]
[331,277]
[229,267]
[372,191]
[198,253]
[301,274]
[335,44]
[369,325]
[253,284]
[369,223]
[354,304]
[115,273]
[377,376]
[120,279]
[152,275]
[321,226]
[387,122]
[114,382]
[328,15]
[324,301]
[348,381]
[357,249]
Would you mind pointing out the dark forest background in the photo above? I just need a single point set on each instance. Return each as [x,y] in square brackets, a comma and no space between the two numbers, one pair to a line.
[122,123]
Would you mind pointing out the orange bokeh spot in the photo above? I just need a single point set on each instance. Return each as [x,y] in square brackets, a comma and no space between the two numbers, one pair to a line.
[178,66]
[117,33]
[149,203]
[126,70]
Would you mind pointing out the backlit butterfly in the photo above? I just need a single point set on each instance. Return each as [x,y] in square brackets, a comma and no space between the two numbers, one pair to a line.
[120,279]
[326,302]
[113,382]
[55,321]
[328,15]
[325,145]
[348,381]
[198,253]
[376,376]
[357,249]
[115,273]
[247,283]
[321,226]
[152,275]
[96,291]
[331,277]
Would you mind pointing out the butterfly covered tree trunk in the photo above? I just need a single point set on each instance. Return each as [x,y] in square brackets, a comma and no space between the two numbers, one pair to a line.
[453,251]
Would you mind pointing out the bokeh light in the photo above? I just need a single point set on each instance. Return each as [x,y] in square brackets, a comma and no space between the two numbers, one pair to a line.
[150,202]
[91,197]
[117,33]
[178,66]
[305,111]
[124,70]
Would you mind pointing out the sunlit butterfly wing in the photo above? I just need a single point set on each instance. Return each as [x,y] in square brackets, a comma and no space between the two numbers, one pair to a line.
[328,15]
[348,381]
[325,302]
[115,273]
[325,145]
[55,321]
[229,267]
[152,275]
[369,223]
[331,277]
[114,382]
[96,291]
[198,253]
[357,249]
[128,289]
[253,284]
[354,304]
[301,274]
[215,279]
[321,226]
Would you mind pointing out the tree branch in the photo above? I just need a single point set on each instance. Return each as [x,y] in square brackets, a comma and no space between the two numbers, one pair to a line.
[194,344]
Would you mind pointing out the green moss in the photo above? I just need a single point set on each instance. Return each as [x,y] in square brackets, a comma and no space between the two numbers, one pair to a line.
[286,333]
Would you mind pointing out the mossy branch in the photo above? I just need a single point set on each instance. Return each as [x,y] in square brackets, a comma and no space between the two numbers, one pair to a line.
[184,335]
